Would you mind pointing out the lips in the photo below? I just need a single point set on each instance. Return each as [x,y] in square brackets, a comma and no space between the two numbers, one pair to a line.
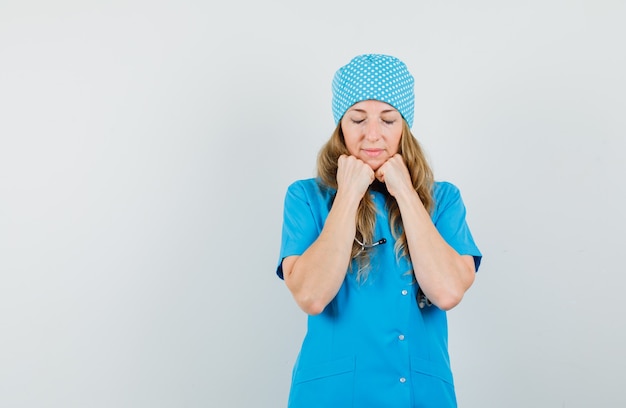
[373,152]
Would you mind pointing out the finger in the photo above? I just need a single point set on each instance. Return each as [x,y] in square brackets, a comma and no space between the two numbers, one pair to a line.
[380,176]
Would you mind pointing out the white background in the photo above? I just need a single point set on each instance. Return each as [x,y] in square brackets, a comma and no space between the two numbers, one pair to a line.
[146,146]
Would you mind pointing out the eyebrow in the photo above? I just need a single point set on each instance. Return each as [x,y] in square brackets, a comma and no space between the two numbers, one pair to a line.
[364,111]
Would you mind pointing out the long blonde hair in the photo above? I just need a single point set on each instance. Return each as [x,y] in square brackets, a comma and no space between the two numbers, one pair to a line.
[421,177]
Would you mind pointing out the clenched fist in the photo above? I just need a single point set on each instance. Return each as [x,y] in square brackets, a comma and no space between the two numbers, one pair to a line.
[395,175]
[353,176]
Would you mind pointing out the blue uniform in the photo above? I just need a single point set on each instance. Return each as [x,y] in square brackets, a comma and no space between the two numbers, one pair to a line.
[373,346]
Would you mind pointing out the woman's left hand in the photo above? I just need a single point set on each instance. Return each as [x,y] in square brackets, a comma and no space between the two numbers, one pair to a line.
[395,175]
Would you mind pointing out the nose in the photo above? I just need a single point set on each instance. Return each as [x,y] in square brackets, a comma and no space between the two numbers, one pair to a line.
[373,130]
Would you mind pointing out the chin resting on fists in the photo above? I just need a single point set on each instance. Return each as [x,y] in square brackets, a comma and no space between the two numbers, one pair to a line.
[395,175]
[353,175]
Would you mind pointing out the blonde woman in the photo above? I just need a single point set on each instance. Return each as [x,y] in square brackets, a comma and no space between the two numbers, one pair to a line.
[375,252]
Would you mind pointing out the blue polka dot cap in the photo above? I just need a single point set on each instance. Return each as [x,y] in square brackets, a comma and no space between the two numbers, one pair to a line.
[374,76]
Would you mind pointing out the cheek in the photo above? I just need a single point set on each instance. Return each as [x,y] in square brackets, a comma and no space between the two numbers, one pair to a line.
[351,143]
[394,143]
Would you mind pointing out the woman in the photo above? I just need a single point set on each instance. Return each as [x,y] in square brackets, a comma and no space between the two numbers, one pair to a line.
[375,252]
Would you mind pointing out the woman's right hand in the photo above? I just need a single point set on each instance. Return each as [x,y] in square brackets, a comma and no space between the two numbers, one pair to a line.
[315,277]
[353,176]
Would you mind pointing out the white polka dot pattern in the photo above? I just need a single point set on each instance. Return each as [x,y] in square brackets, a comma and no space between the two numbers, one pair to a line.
[374,76]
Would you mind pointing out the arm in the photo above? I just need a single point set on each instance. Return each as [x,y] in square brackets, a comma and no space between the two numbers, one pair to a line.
[315,277]
[441,272]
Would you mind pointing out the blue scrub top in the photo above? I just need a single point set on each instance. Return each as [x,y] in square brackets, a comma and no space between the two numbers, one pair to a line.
[373,346]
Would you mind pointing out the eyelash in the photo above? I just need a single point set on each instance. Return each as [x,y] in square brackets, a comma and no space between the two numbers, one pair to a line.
[358,122]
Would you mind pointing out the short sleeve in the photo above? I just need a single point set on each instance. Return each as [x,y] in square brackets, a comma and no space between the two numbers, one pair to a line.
[301,221]
[449,219]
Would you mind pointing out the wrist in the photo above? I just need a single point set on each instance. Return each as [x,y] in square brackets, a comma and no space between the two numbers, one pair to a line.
[408,197]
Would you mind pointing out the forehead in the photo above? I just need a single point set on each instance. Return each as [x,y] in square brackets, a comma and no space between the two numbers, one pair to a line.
[372,106]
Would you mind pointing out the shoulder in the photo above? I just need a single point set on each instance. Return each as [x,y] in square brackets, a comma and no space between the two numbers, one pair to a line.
[444,191]
[304,184]
[310,190]
[447,198]
[310,186]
